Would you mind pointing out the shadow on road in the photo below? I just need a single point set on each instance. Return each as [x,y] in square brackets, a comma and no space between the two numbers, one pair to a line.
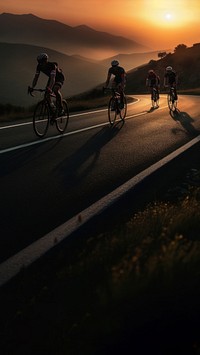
[75,167]
[152,109]
[186,121]
[20,157]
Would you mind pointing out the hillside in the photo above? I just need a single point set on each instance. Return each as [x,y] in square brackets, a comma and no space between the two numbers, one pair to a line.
[185,62]
[82,40]
[19,62]
[133,60]
[82,74]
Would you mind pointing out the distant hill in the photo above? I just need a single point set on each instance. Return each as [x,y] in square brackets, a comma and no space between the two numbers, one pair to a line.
[18,64]
[185,62]
[82,40]
[133,60]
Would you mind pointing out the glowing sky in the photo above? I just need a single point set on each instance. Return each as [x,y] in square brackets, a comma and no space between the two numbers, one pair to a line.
[156,23]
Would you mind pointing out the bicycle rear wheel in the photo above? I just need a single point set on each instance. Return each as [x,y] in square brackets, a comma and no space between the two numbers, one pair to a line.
[112,110]
[41,119]
[172,104]
[62,121]
[123,110]
[155,99]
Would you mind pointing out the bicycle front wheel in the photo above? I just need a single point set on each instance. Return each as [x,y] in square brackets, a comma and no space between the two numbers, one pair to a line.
[123,110]
[62,121]
[112,111]
[41,119]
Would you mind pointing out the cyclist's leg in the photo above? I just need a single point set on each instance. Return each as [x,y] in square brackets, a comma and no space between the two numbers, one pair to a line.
[175,93]
[120,89]
[157,95]
[158,92]
[57,92]
[114,87]
[151,92]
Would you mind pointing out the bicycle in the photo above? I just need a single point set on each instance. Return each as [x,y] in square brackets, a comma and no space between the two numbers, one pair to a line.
[47,112]
[171,99]
[116,106]
[155,97]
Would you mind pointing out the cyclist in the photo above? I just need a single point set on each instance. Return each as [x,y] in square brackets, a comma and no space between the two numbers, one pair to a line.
[153,81]
[170,79]
[55,81]
[119,79]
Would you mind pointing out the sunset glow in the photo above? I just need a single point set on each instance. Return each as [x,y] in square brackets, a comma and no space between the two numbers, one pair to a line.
[155,23]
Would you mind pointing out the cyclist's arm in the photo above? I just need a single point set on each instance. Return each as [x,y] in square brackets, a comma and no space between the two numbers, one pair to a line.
[35,79]
[108,79]
[123,81]
[158,81]
[123,77]
[52,79]
[166,82]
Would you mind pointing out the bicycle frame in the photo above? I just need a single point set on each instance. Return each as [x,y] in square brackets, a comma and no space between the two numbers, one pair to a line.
[172,102]
[47,96]
[115,106]
[154,97]
[45,114]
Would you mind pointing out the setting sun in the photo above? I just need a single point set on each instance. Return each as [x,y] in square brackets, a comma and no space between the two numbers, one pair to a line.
[167,12]
[155,23]
[168,16]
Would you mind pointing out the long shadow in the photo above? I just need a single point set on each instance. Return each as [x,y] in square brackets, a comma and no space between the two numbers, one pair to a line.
[19,158]
[77,166]
[186,122]
[152,109]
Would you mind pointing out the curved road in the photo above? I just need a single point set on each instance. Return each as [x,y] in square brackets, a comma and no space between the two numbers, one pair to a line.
[46,182]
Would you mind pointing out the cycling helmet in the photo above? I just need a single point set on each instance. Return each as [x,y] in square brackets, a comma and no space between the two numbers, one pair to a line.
[114,63]
[168,68]
[42,56]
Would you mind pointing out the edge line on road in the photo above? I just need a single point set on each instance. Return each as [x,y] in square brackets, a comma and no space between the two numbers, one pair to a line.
[12,266]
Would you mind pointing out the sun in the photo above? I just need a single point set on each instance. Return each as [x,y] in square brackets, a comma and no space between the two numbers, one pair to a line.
[168,16]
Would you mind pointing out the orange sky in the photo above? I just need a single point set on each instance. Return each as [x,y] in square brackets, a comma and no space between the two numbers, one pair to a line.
[156,23]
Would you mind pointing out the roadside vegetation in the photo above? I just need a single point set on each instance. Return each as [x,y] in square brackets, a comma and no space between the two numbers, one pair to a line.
[9,112]
[93,99]
[130,289]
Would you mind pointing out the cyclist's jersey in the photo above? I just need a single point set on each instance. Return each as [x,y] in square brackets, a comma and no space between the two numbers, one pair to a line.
[170,77]
[119,74]
[51,68]
[153,80]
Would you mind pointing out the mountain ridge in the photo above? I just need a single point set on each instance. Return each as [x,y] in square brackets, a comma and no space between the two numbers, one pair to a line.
[31,29]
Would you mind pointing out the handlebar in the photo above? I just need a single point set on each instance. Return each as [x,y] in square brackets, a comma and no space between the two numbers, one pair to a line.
[30,91]
[105,89]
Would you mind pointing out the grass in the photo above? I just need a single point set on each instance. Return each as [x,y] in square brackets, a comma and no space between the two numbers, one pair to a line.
[93,99]
[131,289]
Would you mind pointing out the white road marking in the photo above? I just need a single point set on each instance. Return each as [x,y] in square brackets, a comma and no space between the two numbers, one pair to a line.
[40,141]
[12,266]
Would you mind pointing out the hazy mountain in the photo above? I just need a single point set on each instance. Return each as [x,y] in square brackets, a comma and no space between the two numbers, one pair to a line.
[82,40]
[133,60]
[18,64]
[185,62]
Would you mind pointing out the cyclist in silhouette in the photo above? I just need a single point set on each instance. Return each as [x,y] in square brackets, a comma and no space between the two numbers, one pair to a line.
[119,79]
[153,81]
[170,79]
[55,75]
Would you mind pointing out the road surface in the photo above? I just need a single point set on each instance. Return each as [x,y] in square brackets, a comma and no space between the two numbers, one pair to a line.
[45,182]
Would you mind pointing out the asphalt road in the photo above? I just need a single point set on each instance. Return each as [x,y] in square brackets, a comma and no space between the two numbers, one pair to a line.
[46,182]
